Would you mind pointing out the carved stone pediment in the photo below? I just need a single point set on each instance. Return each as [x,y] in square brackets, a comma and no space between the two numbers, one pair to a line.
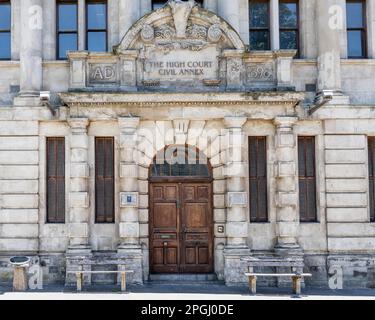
[180,24]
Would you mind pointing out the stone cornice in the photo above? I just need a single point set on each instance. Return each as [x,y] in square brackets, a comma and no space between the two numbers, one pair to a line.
[290,99]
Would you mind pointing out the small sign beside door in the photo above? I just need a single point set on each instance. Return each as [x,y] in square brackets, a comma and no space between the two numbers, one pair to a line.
[236,199]
[128,199]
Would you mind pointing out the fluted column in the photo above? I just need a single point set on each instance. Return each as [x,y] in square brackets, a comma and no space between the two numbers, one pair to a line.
[287,218]
[230,11]
[329,27]
[236,200]
[129,221]
[129,12]
[79,187]
[31,48]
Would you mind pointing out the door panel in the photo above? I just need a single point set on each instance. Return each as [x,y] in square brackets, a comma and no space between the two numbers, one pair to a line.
[181,237]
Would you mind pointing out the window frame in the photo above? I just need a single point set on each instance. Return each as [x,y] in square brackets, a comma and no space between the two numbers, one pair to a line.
[371,175]
[87,30]
[363,30]
[57,219]
[305,178]
[58,32]
[2,3]
[257,218]
[296,29]
[112,217]
[268,28]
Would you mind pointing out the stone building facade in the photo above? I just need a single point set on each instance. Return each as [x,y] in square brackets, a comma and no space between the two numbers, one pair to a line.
[185,75]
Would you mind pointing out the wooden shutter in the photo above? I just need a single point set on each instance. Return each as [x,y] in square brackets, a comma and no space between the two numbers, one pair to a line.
[371,163]
[258,179]
[55,180]
[307,179]
[104,180]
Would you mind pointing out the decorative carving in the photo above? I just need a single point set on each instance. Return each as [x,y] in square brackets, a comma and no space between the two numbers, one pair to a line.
[164,32]
[259,72]
[196,31]
[147,33]
[181,11]
[214,33]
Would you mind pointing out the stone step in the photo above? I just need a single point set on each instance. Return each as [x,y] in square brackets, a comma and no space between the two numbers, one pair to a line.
[183,277]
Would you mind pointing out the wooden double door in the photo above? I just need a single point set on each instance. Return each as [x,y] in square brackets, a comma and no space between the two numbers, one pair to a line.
[181,227]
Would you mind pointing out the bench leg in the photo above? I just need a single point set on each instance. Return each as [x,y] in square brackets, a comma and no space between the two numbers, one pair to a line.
[297,285]
[79,281]
[123,281]
[253,284]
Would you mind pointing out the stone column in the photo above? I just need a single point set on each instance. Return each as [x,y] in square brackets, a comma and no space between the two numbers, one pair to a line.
[81,25]
[236,201]
[79,213]
[31,48]
[128,14]
[329,27]
[287,218]
[274,25]
[210,5]
[129,248]
[230,11]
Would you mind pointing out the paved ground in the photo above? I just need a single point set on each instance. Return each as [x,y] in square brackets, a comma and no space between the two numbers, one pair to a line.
[182,292]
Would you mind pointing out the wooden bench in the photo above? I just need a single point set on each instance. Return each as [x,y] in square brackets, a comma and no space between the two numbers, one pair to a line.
[294,264]
[79,275]
[296,278]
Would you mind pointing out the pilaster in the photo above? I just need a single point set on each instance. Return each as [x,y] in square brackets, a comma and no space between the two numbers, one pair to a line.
[236,201]
[287,218]
[79,248]
[129,248]
[230,11]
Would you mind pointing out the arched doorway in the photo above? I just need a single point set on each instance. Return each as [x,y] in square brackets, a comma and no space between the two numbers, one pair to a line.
[181,215]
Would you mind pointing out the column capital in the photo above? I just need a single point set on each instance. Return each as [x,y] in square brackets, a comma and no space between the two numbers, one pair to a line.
[78,123]
[285,121]
[128,125]
[234,122]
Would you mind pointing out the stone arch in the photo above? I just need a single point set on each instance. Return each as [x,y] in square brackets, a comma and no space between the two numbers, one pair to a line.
[170,23]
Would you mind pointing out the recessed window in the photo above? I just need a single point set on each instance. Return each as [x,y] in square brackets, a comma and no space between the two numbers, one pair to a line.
[356,28]
[104,180]
[307,179]
[96,22]
[288,20]
[157,4]
[371,164]
[259,15]
[258,179]
[5,30]
[67,28]
[55,180]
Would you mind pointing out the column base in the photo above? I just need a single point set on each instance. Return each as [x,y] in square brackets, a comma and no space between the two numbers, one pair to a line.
[132,256]
[234,267]
[77,257]
[290,252]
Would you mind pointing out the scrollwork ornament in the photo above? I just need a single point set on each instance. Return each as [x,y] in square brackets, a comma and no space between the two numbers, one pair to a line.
[214,33]
[147,33]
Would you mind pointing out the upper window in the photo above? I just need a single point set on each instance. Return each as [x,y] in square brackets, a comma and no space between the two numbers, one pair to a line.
[5,27]
[288,19]
[356,28]
[259,25]
[157,4]
[96,25]
[67,27]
